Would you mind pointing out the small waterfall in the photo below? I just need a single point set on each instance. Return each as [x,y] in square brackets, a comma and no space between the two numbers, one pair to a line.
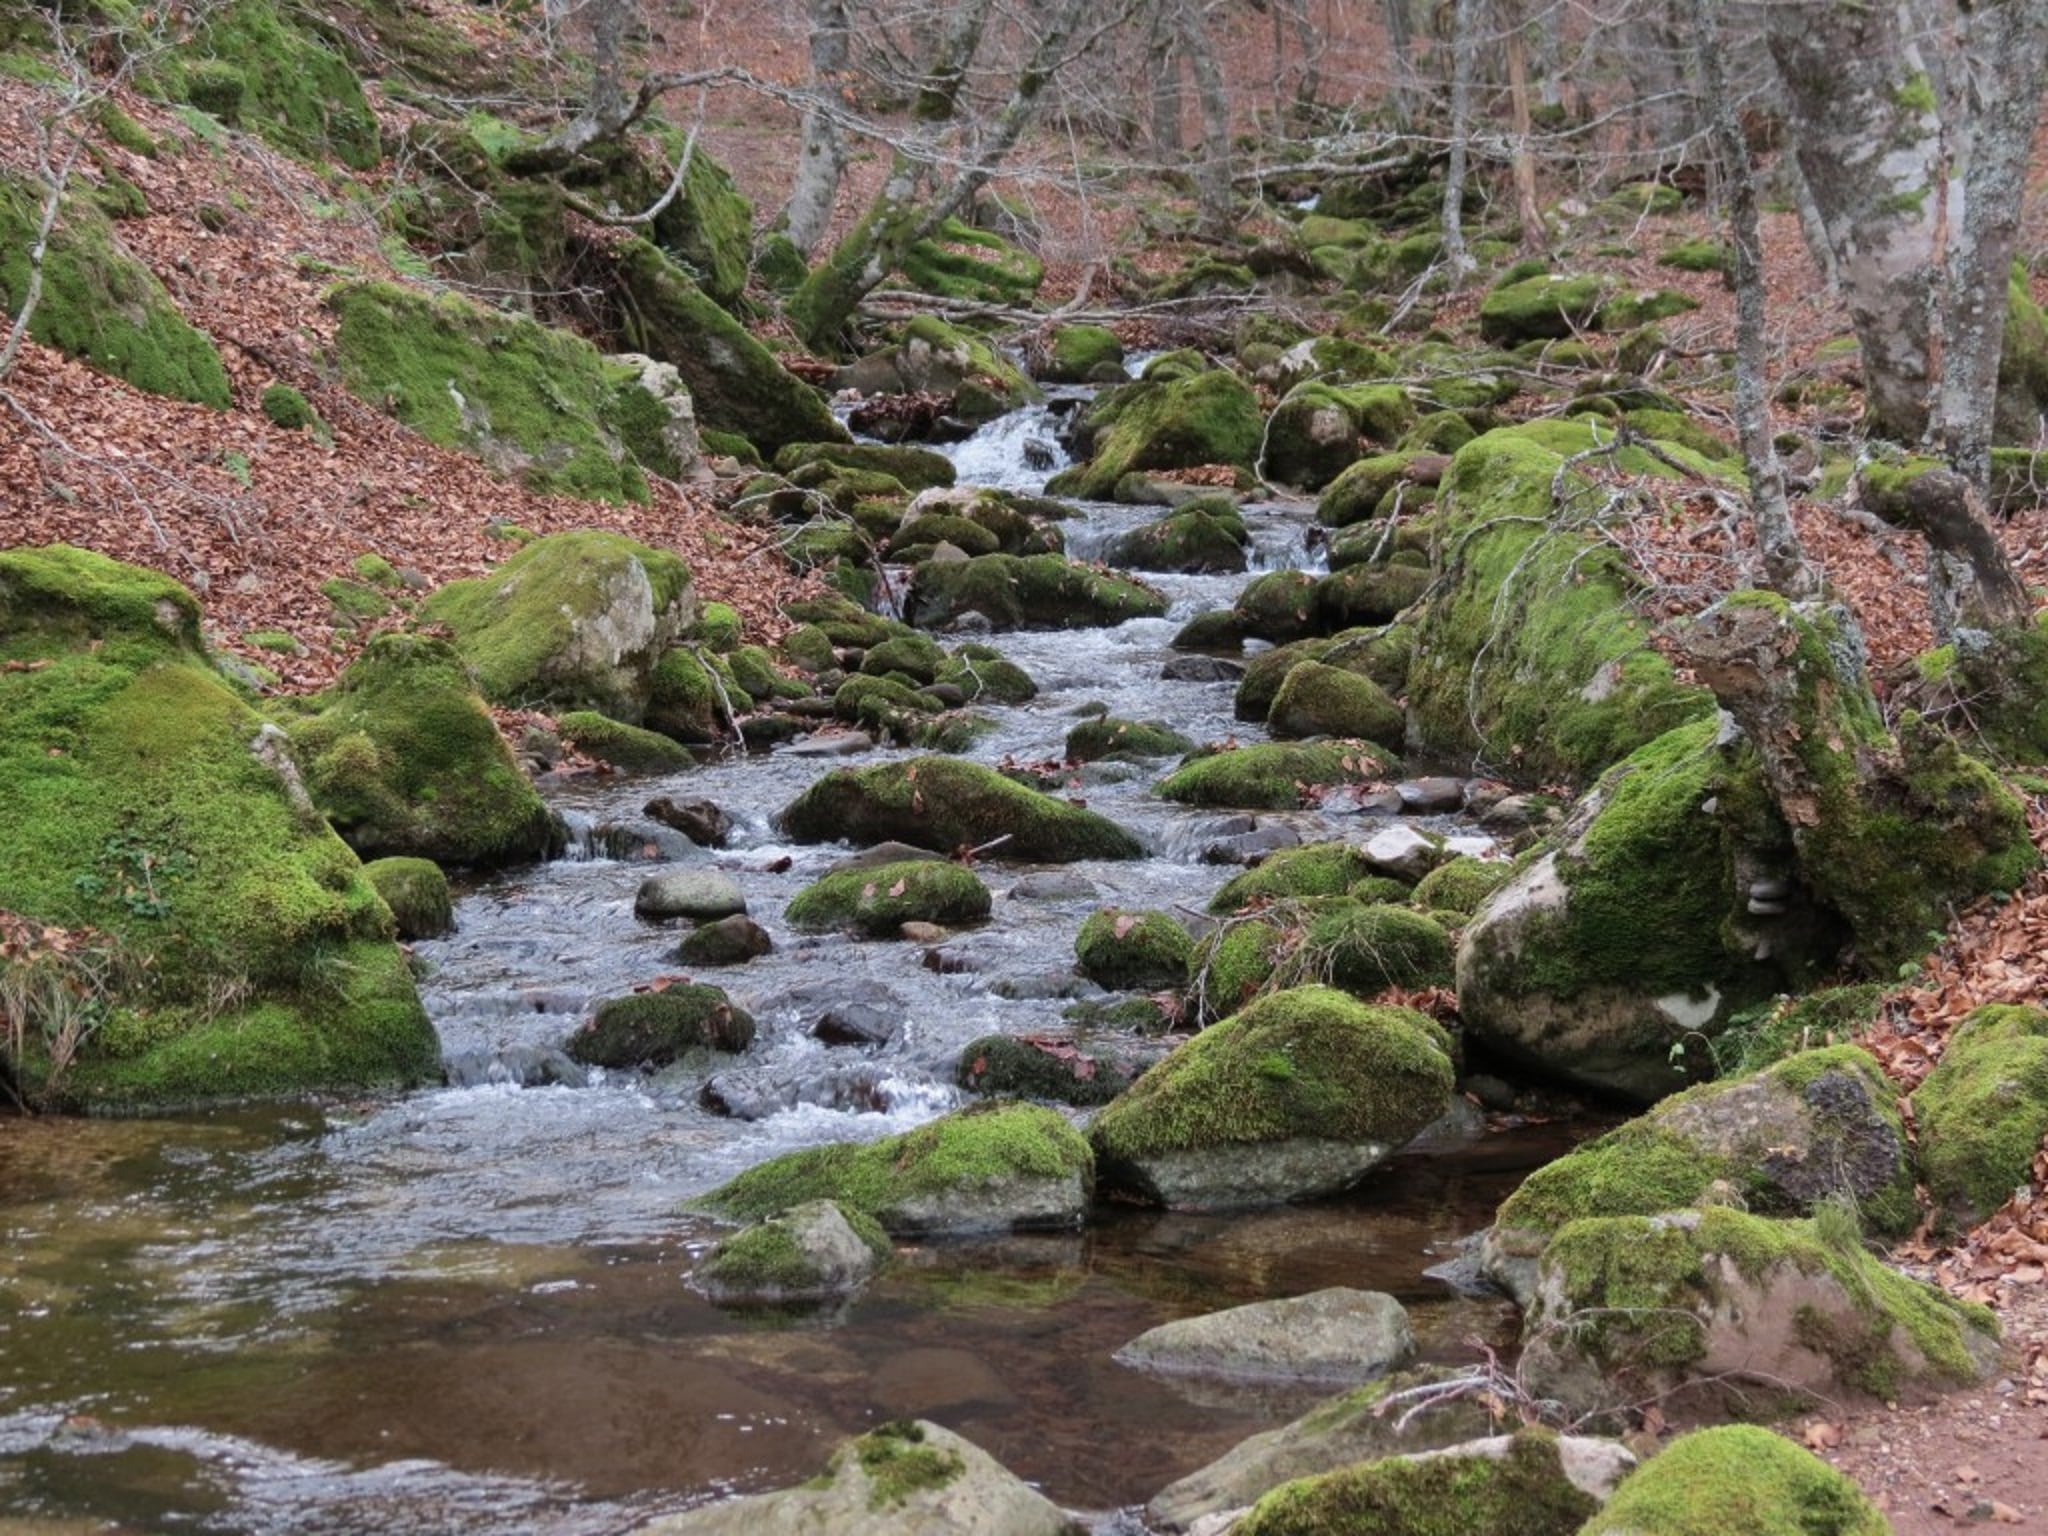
[1017,452]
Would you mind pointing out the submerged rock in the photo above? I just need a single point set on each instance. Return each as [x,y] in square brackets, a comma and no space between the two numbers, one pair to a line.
[1335,1335]
[913,1479]
[1299,1095]
[811,1252]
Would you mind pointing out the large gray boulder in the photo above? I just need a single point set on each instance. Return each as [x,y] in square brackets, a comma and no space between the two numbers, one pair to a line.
[914,1479]
[1333,1335]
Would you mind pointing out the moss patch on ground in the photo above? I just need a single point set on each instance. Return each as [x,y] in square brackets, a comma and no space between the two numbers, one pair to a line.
[1737,1478]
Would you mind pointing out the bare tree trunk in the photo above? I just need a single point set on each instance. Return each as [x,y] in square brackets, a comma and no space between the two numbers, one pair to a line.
[1865,129]
[1402,90]
[1309,87]
[1464,64]
[1534,236]
[821,162]
[1215,204]
[1162,70]
[1785,564]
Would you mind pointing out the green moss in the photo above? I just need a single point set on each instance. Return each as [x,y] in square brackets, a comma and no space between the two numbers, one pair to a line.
[911,467]
[1134,951]
[900,1465]
[622,746]
[1983,1111]
[527,399]
[1210,418]
[1123,740]
[1537,308]
[682,701]
[985,675]
[1695,256]
[972,1149]
[1629,310]
[1462,884]
[1522,1493]
[1027,592]
[1195,539]
[1365,949]
[879,901]
[351,603]
[100,305]
[1640,1169]
[1715,1482]
[138,805]
[1273,775]
[653,1029]
[1313,434]
[1318,869]
[1358,1073]
[255,64]
[1532,652]
[275,641]
[1008,1067]
[417,893]
[962,262]
[123,131]
[942,803]
[1316,700]
[1083,354]
[1785,1026]
[520,628]
[402,758]
[1234,964]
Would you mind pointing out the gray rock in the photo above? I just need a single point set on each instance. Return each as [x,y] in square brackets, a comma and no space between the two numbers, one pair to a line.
[946,1486]
[1337,1433]
[1357,800]
[637,842]
[1054,885]
[730,941]
[1202,669]
[1334,1335]
[1403,852]
[811,1252]
[703,895]
[830,744]
[880,854]
[1428,797]
[852,1012]
[1250,847]
[699,820]
[1265,1173]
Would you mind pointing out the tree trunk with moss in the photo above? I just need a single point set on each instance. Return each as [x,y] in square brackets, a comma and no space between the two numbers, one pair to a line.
[1894,833]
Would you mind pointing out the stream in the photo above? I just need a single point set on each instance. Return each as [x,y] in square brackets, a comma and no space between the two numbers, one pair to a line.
[465,1310]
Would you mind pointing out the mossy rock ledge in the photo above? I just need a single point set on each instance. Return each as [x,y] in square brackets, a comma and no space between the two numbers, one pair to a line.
[1816,1127]
[943,803]
[403,760]
[1723,1305]
[574,620]
[987,1168]
[147,801]
[1301,1094]
[1613,958]
[1210,418]
[904,1479]
[1531,1483]
[877,902]
[1737,1480]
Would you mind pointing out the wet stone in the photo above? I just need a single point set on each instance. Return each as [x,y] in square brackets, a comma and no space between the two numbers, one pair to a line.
[730,941]
[703,895]
[1431,796]
[699,820]
[840,1013]
[1250,847]
[636,842]
[1357,800]
[879,855]
[831,744]
[1054,885]
[1202,669]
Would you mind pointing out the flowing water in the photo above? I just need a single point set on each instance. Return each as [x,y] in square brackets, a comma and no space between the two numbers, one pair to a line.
[466,1310]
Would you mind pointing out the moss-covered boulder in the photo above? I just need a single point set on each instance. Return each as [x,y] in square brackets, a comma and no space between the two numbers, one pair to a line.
[1134,951]
[1983,1111]
[958,261]
[247,956]
[1370,592]
[990,1167]
[1107,738]
[913,468]
[1301,1094]
[1531,1483]
[1615,957]
[879,901]
[1316,700]
[1737,1480]
[1054,1068]
[933,357]
[1532,653]
[275,71]
[1366,947]
[656,1029]
[1211,418]
[625,747]
[1027,592]
[416,891]
[531,401]
[812,1252]
[944,803]
[1462,884]
[685,702]
[1357,494]
[1315,869]
[1317,432]
[402,758]
[1279,606]
[1080,354]
[1818,1127]
[737,384]
[1352,1429]
[575,620]
[1273,776]
[1200,538]
[1720,1302]
[903,1479]
[1544,308]
[99,304]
